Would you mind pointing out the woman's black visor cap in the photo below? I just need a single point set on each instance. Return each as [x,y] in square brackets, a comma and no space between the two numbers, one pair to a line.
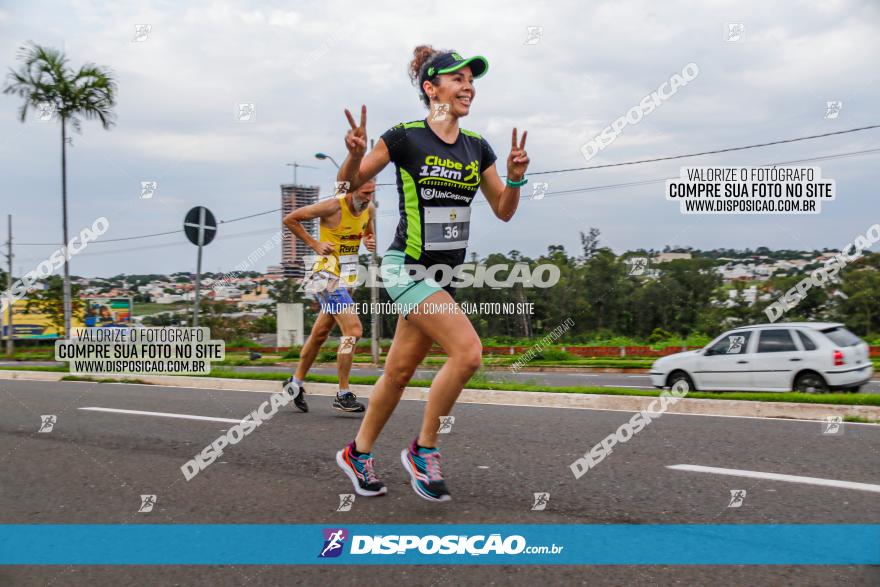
[449,62]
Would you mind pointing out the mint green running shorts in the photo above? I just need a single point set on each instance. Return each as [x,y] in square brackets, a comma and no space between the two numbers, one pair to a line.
[401,288]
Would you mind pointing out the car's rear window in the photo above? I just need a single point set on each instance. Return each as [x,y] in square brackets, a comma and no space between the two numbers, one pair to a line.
[841,336]
[775,341]
[808,343]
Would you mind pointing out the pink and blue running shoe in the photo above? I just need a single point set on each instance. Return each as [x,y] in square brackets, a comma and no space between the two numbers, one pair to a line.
[423,466]
[360,470]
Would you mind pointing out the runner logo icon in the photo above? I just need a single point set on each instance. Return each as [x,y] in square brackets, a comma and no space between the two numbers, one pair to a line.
[736,344]
[47,423]
[334,541]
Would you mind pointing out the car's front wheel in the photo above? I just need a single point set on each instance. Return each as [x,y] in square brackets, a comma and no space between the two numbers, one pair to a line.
[810,382]
[681,381]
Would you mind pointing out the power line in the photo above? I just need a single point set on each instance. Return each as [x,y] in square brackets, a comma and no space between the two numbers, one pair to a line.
[479,203]
[713,152]
[571,191]
[180,243]
[603,166]
[250,216]
[662,179]
[826,157]
[128,238]
[629,184]
[110,240]
[649,181]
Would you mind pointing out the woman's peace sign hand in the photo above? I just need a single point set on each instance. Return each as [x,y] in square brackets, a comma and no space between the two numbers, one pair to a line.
[518,160]
[356,137]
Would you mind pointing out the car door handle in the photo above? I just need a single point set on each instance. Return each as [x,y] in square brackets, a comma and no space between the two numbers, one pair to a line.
[795,359]
[741,362]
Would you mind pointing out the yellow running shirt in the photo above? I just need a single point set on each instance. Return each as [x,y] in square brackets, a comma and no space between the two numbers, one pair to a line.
[346,240]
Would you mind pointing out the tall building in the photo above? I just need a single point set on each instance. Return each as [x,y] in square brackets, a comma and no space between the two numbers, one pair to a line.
[296,196]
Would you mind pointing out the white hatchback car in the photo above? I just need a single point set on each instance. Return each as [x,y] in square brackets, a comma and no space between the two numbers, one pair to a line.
[813,357]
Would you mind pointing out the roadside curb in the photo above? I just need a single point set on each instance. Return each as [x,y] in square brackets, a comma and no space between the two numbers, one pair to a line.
[582,401]
[572,370]
[539,369]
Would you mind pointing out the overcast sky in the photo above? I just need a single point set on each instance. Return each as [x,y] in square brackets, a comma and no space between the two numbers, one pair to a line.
[301,63]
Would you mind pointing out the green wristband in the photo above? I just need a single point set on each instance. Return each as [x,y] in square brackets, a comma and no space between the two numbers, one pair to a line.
[516,184]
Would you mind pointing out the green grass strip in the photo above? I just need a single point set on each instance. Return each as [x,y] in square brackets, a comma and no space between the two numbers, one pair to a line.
[853,399]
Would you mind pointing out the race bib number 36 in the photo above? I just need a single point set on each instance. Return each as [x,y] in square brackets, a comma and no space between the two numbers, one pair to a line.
[447,228]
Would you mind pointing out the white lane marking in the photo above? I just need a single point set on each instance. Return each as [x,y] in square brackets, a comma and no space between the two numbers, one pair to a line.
[778,477]
[639,376]
[163,415]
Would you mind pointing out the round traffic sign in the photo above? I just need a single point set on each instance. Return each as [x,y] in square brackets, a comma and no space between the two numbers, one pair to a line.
[200,226]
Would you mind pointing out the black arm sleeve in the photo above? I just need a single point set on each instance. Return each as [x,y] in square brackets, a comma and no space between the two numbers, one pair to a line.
[395,141]
[487,155]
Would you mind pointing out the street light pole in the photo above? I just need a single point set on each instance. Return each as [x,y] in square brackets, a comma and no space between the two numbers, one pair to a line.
[323,156]
[375,322]
[9,327]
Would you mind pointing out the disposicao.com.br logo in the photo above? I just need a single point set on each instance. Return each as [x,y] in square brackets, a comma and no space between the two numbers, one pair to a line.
[431,544]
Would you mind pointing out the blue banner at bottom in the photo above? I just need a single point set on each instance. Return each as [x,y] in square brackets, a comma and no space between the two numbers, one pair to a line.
[485,544]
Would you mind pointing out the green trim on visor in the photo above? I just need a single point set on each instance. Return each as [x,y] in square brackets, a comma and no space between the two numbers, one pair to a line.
[458,66]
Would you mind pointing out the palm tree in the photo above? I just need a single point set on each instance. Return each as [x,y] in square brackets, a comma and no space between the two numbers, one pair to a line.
[48,84]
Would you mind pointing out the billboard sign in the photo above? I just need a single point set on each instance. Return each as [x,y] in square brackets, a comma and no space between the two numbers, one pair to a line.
[30,324]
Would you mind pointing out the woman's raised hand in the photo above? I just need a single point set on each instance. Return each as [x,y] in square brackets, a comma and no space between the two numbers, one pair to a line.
[356,137]
[518,160]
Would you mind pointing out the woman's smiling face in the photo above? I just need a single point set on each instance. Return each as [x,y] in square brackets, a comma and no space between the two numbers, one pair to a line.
[456,89]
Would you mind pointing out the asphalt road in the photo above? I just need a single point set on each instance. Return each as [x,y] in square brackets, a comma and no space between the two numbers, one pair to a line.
[93,467]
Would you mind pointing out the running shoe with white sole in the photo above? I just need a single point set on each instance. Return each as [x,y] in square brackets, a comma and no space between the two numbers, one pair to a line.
[298,392]
[423,466]
[360,471]
[347,402]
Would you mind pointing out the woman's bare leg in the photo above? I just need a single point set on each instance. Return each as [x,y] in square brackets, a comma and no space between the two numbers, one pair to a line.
[414,337]
[455,333]
[407,350]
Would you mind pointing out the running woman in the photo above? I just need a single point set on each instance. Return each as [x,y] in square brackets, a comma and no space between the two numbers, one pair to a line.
[344,220]
[439,167]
